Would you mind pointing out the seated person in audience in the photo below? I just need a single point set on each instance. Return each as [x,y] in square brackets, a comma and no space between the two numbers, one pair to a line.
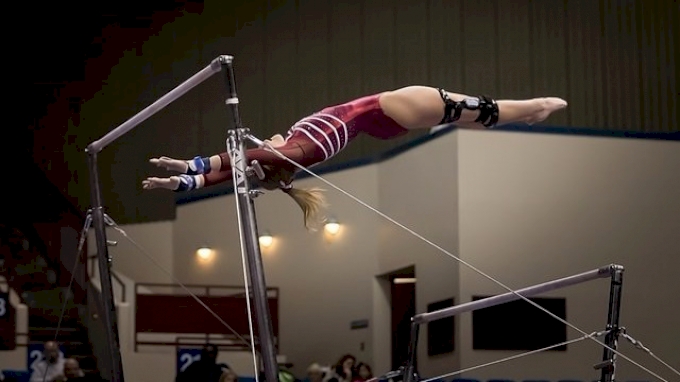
[51,366]
[204,370]
[285,375]
[343,370]
[228,376]
[73,373]
[363,373]
[316,373]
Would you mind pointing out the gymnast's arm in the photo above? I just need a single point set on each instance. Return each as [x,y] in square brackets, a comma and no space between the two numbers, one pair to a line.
[269,160]
[207,171]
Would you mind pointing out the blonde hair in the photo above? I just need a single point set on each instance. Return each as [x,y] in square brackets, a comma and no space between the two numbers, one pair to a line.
[312,202]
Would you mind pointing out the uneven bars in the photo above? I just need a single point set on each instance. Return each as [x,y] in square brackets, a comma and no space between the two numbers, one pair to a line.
[205,73]
[510,296]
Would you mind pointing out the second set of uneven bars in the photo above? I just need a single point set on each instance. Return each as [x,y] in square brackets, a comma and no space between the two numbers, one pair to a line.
[598,273]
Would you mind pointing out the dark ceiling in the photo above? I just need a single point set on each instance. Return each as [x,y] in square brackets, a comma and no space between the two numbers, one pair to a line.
[71,32]
[50,50]
[59,39]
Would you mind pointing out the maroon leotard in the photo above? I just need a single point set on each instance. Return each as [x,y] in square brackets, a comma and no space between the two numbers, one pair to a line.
[334,127]
[321,136]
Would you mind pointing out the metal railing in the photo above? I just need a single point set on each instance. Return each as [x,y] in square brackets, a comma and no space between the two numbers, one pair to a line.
[227,342]
[273,292]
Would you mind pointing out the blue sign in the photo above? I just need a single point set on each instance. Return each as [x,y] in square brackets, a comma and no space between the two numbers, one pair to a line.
[185,357]
[5,310]
[34,353]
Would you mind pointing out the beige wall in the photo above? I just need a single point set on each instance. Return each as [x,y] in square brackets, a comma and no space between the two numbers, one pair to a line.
[133,266]
[324,283]
[538,207]
[151,362]
[525,208]
[154,266]
[419,189]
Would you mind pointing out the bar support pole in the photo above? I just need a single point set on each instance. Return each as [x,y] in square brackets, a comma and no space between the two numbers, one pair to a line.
[611,339]
[236,147]
[109,314]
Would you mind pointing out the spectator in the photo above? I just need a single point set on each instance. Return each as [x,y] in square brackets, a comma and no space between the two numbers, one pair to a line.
[343,370]
[363,373]
[51,366]
[285,375]
[73,372]
[316,373]
[204,370]
[228,376]
[72,369]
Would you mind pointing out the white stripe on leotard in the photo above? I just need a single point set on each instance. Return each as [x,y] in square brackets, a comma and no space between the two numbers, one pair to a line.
[309,135]
[320,131]
[344,126]
[332,128]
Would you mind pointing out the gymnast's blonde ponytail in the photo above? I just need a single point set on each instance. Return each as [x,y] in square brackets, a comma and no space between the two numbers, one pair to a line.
[312,202]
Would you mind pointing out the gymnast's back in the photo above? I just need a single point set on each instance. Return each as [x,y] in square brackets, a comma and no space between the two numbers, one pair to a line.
[332,128]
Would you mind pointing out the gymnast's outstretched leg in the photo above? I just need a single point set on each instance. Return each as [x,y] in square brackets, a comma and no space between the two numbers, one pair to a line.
[420,107]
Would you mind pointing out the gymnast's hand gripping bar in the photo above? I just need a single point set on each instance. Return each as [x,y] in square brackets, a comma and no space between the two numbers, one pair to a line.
[602,272]
[214,67]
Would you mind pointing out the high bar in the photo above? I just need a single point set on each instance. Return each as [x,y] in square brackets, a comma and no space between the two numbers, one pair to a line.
[602,272]
[205,73]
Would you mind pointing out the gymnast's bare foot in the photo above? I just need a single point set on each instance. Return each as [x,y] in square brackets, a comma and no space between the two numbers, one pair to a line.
[548,106]
[276,141]
[171,183]
[170,164]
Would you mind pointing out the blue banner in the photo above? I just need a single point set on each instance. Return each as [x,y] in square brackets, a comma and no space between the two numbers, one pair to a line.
[185,357]
[5,309]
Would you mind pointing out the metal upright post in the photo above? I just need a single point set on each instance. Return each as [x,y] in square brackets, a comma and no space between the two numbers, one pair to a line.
[410,370]
[248,227]
[109,315]
[608,365]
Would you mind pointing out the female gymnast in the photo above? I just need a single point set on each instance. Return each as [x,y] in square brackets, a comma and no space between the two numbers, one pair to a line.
[322,135]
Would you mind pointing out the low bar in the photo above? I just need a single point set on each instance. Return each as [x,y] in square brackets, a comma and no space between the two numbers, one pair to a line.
[511,296]
[214,67]
[612,337]
[410,369]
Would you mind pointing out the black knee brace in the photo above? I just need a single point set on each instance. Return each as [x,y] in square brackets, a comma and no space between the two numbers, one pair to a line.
[487,106]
